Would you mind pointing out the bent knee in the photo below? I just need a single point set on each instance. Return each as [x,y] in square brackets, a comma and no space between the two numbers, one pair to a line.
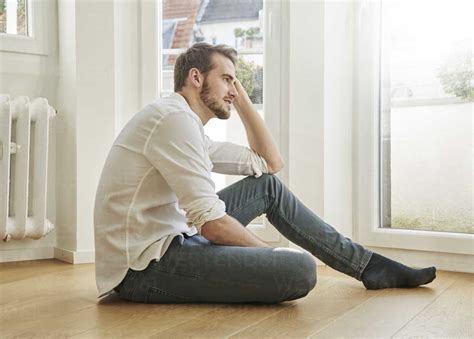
[298,274]
[308,277]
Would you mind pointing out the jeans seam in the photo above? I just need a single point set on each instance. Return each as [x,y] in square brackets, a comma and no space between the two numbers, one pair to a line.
[169,294]
[240,284]
[323,246]
[179,273]
[200,277]
[365,261]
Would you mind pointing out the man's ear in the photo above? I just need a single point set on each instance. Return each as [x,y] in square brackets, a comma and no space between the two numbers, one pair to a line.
[195,77]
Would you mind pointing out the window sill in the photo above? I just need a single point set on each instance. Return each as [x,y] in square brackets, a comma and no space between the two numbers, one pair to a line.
[21,44]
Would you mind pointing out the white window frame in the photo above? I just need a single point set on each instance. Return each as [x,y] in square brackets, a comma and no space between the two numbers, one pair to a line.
[275,77]
[367,175]
[37,42]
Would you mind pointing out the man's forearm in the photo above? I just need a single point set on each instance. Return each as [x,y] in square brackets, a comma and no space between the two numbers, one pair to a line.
[229,231]
[258,135]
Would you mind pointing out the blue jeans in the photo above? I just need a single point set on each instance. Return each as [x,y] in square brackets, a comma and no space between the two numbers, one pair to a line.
[198,271]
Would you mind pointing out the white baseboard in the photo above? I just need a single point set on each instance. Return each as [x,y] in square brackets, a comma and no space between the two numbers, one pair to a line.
[74,257]
[26,254]
[38,253]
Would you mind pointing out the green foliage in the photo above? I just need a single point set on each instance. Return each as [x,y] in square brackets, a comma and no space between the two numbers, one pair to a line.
[249,33]
[238,32]
[3,22]
[21,17]
[245,72]
[405,222]
[456,76]
[252,31]
[22,24]
[446,223]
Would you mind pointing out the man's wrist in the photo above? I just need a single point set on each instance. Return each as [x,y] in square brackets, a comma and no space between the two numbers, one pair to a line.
[229,231]
[242,104]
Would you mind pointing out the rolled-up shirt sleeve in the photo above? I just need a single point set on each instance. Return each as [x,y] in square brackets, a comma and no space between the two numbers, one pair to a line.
[176,148]
[230,158]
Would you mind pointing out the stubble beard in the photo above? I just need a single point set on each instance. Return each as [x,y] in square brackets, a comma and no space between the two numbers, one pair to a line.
[219,111]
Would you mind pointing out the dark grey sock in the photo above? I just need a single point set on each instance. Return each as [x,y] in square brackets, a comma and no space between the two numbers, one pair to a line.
[382,272]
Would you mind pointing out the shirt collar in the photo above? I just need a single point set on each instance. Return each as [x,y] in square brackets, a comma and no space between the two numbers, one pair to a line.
[178,97]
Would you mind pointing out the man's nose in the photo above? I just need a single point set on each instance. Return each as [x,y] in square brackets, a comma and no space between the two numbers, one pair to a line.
[233,91]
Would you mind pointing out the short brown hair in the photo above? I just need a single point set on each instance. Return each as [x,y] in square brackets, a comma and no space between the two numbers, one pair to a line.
[199,56]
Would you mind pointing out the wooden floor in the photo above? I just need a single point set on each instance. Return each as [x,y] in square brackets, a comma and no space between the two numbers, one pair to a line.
[48,298]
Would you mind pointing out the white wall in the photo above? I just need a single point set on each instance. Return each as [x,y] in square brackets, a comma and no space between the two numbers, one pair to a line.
[98,92]
[320,112]
[338,68]
[86,99]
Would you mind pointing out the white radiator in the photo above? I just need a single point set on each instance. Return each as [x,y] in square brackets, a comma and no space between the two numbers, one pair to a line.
[24,130]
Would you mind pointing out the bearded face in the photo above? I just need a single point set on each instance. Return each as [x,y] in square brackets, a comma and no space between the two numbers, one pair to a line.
[219,107]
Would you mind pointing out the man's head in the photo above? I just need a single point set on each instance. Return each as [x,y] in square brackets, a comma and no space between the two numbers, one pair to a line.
[210,71]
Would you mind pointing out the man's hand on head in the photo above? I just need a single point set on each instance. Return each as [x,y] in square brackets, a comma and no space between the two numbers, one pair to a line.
[258,135]
[242,96]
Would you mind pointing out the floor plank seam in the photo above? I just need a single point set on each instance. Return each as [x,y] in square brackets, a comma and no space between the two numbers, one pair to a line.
[273,314]
[32,277]
[345,313]
[184,321]
[424,308]
[253,324]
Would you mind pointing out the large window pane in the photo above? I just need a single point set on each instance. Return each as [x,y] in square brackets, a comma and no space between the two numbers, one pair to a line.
[427,115]
[13,17]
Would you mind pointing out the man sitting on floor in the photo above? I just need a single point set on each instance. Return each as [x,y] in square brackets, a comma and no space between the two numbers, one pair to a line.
[162,233]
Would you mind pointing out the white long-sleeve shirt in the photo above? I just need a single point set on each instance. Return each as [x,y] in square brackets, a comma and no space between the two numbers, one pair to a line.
[156,184]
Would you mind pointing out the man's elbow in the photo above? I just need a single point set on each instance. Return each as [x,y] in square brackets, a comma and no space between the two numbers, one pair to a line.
[208,233]
[211,229]
[275,166]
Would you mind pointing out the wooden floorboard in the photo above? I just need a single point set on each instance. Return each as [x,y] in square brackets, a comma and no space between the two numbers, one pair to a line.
[387,312]
[450,315]
[48,298]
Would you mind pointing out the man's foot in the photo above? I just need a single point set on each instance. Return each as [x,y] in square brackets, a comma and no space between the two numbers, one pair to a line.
[382,272]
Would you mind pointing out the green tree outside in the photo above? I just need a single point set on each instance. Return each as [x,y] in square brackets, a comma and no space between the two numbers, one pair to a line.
[456,76]
[22,25]
[245,72]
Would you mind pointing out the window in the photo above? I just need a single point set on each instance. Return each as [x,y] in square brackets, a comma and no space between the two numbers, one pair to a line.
[13,17]
[249,26]
[238,24]
[413,126]
[427,108]
[24,26]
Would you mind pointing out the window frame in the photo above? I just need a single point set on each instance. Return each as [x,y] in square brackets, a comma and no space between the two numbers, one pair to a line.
[38,42]
[367,150]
